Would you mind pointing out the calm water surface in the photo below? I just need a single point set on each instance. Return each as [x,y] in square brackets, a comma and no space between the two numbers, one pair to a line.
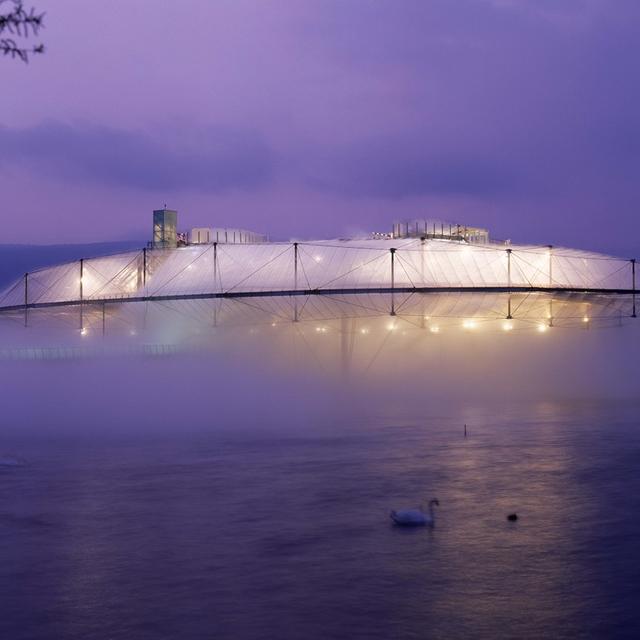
[242,489]
[277,533]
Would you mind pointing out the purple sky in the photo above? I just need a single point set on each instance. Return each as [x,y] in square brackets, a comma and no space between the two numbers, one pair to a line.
[316,119]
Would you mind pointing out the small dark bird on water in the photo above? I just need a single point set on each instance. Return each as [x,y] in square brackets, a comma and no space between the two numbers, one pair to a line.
[512,517]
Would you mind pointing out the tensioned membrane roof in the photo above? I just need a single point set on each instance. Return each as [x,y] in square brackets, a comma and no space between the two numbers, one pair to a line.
[318,266]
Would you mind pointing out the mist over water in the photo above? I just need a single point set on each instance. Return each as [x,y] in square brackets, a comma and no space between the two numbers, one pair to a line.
[226,468]
[271,363]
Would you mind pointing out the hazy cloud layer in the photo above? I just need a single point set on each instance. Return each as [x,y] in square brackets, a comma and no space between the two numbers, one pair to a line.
[404,166]
[217,159]
[208,160]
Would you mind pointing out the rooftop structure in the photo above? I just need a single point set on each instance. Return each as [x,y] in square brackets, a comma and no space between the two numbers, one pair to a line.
[165,226]
[209,235]
[167,236]
[438,229]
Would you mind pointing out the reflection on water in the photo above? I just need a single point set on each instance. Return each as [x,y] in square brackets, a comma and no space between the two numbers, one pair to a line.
[431,346]
[178,319]
[238,485]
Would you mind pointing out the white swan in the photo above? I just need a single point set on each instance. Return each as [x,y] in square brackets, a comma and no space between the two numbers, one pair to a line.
[416,517]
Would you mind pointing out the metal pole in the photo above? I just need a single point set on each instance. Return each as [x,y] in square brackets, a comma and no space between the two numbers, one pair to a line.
[393,275]
[144,267]
[215,266]
[26,298]
[81,294]
[509,268]
[551,265]
[423,323]
[509,307]
[215,283]
[393,280]
[81,277]
[295,281]
[103,319]
[633,286]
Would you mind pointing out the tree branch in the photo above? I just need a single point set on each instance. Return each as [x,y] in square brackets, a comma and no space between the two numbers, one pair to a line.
[22,24]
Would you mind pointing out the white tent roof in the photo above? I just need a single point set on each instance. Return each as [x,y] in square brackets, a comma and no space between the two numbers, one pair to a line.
[332,265]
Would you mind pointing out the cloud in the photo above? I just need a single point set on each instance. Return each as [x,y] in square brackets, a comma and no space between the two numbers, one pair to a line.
[212,159]
[399,166]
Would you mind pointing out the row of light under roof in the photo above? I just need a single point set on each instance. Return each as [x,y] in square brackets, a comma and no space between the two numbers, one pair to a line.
[507,325]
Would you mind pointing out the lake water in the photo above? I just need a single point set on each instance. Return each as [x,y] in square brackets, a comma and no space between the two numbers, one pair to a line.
[241,488]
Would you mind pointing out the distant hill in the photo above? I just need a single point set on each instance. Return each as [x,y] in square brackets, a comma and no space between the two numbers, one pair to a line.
[16,259]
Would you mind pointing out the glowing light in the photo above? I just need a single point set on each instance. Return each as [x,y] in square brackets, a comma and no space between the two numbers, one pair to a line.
[391,326]
[469,324]
[585,319]
[434,329]
[321,329]
[84,331]
[273,324]
[542,328]
[364,331]
[507,326]
[317,258]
